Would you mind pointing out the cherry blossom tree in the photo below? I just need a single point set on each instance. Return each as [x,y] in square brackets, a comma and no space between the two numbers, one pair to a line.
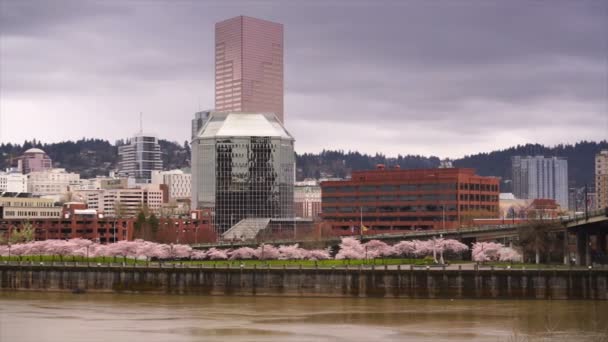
[509,254]
[319,254]
[216,254]
[180,251]
[376,249]
[267,252]
[243,253]
[292,252]
[486,251]
[197,255]
[404,248]
[350,248]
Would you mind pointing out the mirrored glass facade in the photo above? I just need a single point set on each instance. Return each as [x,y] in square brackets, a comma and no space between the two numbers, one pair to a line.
[243,167]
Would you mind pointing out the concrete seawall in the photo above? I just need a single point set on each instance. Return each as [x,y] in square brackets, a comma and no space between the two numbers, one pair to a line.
[393,283]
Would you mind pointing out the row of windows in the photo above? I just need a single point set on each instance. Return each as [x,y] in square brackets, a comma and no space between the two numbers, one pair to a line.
[390,209]
[390,188]
[389,198]
[479,187]
[367,219]
[477,197]
[409,208]
[19,213]
[410,187]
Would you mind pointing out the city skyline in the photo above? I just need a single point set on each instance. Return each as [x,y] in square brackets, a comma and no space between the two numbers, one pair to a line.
[424,88]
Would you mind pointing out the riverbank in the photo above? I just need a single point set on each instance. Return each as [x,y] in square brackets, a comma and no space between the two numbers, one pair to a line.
[377,282]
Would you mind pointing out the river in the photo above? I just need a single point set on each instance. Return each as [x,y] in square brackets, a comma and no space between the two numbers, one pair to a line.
[61,317]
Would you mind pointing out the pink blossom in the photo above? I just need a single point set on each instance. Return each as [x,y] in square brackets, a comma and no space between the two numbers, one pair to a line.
[350,248]
[404,248]
[267,252]
[319,254]
[242,253]
[197,255]
[292,252]
[216,254]
[486,251]
[376,249]
[180,251]
[509,254]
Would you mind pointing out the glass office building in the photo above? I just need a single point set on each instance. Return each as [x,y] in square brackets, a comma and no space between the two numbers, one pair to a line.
[139,157]
[243,167]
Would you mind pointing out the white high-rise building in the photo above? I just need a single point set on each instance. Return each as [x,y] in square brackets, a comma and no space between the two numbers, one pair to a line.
[13,182]
[539,177]
[139,157]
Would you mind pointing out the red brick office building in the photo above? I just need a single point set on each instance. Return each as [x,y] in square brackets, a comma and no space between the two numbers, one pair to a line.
[78,222]
[385,200]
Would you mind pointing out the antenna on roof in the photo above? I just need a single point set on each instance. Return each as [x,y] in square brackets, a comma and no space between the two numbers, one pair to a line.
[141,123]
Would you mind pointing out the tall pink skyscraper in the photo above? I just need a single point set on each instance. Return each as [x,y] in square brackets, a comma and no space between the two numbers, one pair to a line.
[249,66]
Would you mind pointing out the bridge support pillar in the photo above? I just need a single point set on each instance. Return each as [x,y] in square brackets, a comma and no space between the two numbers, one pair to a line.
[583,257]
[601,242]
[566,248]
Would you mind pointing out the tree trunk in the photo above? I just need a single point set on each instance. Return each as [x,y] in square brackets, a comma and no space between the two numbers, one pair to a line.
[537,256]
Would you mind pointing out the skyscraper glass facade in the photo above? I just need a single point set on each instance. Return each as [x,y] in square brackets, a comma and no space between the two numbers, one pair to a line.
[539,177]
[249,66]
[244,168]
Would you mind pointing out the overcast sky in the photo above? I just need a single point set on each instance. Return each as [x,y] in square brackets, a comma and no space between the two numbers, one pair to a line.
[444,78]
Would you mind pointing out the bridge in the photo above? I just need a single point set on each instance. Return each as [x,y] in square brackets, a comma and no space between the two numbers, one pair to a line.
[586,227]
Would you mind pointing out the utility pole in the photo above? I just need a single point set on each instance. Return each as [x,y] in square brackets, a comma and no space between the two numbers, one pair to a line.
[443,209]
[586,204]
[361,224]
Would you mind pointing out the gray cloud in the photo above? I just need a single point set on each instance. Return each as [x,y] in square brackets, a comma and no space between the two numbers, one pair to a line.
[442,78]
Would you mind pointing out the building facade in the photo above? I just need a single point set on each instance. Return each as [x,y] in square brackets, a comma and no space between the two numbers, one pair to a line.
[34,160]
[403,200]
[249,66]
[51,182]
[179,184]
[539,177]
[244,168]
[28,208]
[307,199]
[13,182]
[200,118]
[601,179]
[139,157]
[121,202]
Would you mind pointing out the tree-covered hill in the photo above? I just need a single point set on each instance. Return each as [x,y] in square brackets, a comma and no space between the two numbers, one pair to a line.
[92,157]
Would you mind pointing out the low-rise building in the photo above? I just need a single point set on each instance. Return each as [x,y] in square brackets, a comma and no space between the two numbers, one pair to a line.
[177,181]
[122,202]
[393,199]
[100,183]
[13,182]
[307,199]
[23,206]
[51,182]
[78,221]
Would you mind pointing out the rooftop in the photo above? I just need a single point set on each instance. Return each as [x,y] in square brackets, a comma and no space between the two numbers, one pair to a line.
[224,124]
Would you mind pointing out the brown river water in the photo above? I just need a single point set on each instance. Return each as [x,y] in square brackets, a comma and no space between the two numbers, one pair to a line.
[63,317]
